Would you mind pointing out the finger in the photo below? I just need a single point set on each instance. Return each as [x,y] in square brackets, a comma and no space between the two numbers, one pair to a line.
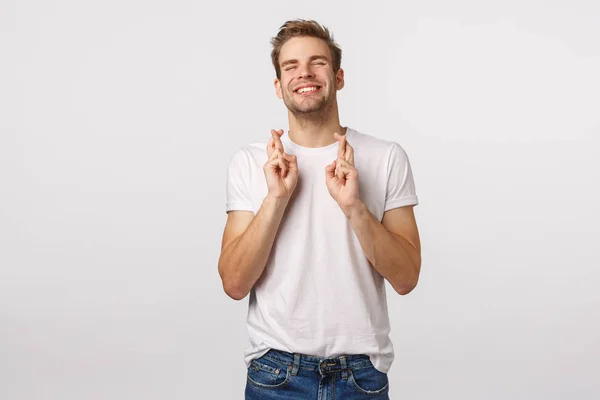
[291,160]
[345,171]
[277,164]
[288,157]
[338,170]
[343,163]
[275,153]
[272,145]
[344,168]
[273,141]
[330,170]
[283,165]
[342,144]
[276,135]
[349,154]
[272,163]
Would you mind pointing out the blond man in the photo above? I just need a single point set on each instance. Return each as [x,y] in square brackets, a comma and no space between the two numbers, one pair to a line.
[318,218]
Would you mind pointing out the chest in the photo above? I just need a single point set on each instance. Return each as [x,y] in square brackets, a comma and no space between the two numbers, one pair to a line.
[311,195]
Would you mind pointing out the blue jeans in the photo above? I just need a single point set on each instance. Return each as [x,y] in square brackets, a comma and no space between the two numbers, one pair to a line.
[282,375]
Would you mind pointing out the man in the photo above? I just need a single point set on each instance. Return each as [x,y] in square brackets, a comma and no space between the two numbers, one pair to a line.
[317,220]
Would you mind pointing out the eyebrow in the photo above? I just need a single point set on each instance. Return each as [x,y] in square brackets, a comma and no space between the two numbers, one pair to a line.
[312,58]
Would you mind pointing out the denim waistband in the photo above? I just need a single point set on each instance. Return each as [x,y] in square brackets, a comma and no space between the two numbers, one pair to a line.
[322,365]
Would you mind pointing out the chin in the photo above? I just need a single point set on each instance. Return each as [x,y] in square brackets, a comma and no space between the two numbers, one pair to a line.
[307,108]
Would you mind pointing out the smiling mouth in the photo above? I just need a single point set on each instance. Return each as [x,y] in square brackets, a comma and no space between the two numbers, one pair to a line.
[308,90]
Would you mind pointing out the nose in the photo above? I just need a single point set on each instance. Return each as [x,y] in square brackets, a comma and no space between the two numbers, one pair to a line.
[304,71]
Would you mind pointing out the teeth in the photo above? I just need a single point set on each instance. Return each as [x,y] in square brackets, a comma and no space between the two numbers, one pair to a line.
[307,89]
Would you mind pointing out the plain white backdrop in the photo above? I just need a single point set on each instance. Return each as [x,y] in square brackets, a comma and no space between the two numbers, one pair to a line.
[117,123]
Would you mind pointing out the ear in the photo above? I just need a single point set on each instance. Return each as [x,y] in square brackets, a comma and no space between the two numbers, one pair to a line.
[339,79]
[278,92]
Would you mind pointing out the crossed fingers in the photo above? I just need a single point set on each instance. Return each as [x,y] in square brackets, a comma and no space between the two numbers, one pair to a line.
[345,150]
[345,158]
[275,146]
[276,154]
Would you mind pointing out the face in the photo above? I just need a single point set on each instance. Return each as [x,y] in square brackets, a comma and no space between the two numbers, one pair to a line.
[308,84]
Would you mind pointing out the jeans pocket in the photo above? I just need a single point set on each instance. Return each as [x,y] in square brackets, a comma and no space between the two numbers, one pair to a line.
[265,373]
[369,380]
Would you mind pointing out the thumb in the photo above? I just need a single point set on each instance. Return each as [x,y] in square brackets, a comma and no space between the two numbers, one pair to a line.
[330,170]
[292,160]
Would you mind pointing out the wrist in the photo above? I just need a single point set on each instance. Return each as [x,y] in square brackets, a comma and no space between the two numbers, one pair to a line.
[355,211]
[277,201]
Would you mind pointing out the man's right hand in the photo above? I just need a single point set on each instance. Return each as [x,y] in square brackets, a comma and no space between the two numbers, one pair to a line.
[281,169]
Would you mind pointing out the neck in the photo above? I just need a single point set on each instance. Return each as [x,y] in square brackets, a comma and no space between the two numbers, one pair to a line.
[315,130]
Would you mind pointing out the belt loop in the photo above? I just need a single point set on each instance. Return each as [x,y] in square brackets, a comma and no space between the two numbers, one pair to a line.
[296,366]
[344,367]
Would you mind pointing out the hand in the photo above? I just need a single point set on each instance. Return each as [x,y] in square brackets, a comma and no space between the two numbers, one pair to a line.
[281,169]
[342,178]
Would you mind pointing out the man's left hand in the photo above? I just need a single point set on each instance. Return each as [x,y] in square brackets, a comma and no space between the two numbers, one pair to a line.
[342,178]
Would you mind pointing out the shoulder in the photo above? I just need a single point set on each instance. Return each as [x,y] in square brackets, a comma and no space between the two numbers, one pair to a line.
[375,145]
[249,154]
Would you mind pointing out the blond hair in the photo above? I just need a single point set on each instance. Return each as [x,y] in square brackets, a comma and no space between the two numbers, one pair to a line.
[302,27]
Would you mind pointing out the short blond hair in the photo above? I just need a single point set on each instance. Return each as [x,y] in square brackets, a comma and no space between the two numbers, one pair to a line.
[302,27]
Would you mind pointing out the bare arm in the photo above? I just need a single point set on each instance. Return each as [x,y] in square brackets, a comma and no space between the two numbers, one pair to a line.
[247,243]
[248,239]
[392,246]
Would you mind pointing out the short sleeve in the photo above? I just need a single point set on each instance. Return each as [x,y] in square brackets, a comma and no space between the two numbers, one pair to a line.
[238,195]
[400,190]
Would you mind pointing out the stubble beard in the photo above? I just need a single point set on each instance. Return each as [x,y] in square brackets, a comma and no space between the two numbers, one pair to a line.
[318,109]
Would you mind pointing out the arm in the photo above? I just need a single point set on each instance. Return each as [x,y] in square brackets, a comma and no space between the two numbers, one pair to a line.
[247,242]
[248,239]
[392,246]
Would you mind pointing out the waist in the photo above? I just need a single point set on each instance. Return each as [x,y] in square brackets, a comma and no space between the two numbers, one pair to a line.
[319,364]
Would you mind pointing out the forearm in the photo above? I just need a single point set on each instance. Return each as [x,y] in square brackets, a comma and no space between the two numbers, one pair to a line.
[391,255]
[243,261]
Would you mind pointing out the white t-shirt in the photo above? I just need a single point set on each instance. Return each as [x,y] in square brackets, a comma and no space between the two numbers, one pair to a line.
[319,294]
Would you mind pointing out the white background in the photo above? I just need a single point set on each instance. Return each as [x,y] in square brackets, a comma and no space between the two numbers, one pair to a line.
[118,120]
